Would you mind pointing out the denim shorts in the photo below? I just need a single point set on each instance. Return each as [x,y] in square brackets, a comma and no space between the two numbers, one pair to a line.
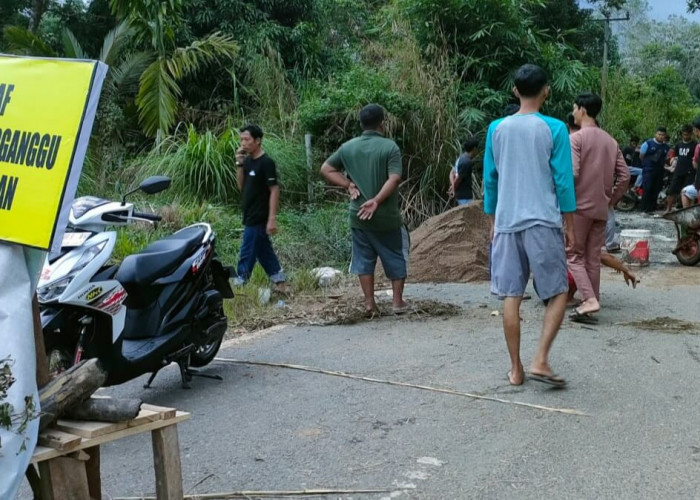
[390,246]
[690,191]
[538,250]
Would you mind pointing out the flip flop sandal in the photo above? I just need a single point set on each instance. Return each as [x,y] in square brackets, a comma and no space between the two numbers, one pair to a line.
[372,313]
[586,318]
[402,310]
[553,380]
[511,383]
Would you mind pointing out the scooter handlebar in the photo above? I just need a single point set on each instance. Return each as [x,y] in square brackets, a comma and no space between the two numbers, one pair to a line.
[143,215]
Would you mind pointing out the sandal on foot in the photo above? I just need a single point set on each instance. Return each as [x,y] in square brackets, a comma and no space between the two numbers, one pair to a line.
[586,318]
[402,310]
[553,380]
[511,382]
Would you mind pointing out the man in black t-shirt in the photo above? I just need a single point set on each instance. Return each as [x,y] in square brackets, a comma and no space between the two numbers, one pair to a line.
[684,173]
[260,196]
[461,176]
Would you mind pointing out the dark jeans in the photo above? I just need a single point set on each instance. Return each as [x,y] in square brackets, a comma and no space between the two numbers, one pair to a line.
[257,246]
[652,183]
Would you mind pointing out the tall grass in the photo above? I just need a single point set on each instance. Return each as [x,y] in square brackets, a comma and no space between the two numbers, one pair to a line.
[202,165]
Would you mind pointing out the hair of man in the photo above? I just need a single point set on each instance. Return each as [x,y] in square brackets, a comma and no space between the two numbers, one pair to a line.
[470,144]
[530,80]
[255,131]
[591,102]
[371,117]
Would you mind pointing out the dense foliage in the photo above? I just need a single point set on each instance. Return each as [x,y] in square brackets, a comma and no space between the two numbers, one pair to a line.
[184,74]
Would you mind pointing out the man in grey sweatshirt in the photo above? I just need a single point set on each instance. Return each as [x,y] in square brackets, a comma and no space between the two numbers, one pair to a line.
[528,185]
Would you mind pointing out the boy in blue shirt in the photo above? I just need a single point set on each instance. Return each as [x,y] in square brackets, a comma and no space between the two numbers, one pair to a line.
[528,186]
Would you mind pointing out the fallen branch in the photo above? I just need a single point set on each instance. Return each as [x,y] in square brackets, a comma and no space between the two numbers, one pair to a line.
[268,494]
[402,384]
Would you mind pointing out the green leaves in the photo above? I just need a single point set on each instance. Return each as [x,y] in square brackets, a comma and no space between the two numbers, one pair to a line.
[157,98]
[24,42]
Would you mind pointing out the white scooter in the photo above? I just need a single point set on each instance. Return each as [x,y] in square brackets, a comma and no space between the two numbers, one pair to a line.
[161,305]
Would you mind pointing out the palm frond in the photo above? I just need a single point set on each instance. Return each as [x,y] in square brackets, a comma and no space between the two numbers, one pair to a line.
[189,60]
[114,41]
[71,46]
[157,98]
[24,42]
[124,77]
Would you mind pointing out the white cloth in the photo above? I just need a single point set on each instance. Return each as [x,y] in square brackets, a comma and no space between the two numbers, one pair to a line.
[19,273]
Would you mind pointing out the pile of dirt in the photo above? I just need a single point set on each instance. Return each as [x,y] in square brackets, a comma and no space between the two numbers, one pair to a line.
[451,247]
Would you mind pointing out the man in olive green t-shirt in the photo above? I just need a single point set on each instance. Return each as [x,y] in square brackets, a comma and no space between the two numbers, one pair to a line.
[373,167]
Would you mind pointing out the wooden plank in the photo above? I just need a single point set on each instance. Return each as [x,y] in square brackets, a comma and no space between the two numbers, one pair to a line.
[68,479]
[166,462]
[89,430]
[61,441]
[92,469]
[144,417]
[165,412]
[45,481]
[42,453]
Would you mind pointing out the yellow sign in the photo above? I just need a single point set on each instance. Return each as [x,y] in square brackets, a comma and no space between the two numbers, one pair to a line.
[47,108]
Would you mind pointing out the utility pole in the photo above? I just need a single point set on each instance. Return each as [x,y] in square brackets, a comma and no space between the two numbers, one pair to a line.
[606,42]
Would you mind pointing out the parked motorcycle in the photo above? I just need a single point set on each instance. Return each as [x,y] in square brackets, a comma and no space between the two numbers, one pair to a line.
[632,199]
[161,305]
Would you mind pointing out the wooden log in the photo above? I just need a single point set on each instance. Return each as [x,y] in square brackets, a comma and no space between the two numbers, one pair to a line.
[105,410]
[69,389]
[166,460]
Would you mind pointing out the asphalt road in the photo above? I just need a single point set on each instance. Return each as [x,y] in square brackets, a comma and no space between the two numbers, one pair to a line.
[266,428]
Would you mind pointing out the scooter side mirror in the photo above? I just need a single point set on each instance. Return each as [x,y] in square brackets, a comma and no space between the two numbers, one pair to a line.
[155,184]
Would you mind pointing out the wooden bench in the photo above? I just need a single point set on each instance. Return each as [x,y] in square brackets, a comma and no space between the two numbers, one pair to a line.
[71,450]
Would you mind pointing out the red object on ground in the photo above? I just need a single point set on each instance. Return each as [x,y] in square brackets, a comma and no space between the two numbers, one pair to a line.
[640,252]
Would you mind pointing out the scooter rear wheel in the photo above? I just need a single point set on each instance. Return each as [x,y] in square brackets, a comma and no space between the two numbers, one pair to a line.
[626,204]
[205,354]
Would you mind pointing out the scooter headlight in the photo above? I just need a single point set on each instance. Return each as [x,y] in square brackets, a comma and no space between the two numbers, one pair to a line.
[52,291]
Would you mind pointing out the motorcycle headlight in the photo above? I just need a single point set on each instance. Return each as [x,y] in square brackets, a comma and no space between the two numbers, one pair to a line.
[49,292]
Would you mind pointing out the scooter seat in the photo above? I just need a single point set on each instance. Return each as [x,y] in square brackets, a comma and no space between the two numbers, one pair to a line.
[160,258]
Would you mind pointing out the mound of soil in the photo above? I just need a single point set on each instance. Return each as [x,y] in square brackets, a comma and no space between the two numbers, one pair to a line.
[451,247]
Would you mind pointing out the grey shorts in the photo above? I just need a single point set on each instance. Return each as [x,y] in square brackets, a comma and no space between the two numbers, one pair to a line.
[538,250]
[390,246]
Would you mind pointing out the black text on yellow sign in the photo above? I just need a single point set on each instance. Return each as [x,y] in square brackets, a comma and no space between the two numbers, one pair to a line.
[47,108]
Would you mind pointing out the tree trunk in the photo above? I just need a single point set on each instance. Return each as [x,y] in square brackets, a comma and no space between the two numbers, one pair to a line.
[38,10]
[70,389]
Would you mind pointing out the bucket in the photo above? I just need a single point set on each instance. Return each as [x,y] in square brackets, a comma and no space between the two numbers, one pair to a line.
[634,244]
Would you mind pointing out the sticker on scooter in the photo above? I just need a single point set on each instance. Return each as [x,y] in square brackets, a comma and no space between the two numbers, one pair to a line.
[93,294]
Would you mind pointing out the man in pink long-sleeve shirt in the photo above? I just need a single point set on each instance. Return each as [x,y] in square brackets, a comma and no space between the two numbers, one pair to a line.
[601,178]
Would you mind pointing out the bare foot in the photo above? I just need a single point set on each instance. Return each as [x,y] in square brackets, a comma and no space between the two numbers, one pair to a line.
[588,306]
[518,378]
